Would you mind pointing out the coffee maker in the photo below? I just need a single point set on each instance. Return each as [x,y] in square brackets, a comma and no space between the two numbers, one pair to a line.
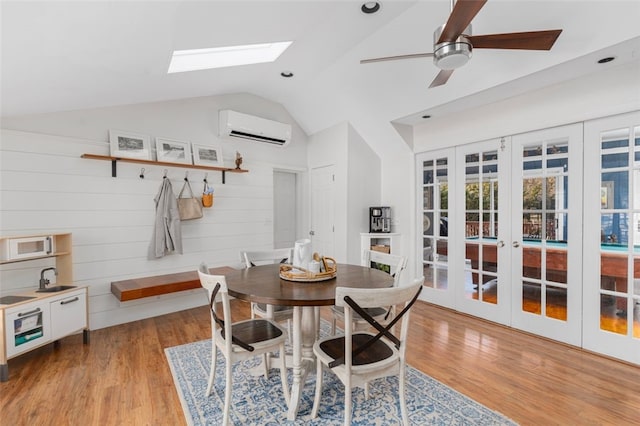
[379,219]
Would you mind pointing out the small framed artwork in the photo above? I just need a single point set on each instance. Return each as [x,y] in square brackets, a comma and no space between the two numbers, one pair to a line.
[207,155]
[130,145]
[173,151]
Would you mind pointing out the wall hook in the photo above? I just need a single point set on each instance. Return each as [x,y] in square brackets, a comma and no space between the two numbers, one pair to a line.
[164,176]
[206,175]
[142,173]
[186,176]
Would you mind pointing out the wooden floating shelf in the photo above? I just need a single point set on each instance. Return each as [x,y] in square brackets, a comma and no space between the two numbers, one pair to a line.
[138,288]
[114,161]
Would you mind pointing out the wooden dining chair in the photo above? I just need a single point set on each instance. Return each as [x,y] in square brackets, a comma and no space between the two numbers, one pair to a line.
[394,265]
[248,338]
[357,358]
[264,257]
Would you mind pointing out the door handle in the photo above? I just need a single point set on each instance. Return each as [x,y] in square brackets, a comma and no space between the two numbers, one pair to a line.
[515,244]
[500,244]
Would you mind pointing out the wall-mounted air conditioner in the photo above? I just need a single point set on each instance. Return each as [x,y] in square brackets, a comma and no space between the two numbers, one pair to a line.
[245,126]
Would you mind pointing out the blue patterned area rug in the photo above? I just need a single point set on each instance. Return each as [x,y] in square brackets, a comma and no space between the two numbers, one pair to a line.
[258,401]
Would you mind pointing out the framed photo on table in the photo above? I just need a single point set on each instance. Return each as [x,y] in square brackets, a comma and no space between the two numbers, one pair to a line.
[130,145]
[173,151]
[207,155]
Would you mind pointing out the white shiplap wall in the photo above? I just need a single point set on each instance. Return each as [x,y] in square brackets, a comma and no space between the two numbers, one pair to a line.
[45,187]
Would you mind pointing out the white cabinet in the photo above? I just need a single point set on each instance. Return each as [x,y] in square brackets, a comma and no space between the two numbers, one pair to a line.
[27,326]
[383,242]
[68,314]
[33,319]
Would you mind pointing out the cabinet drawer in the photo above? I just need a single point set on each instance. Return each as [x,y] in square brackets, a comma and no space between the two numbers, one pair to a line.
[27,327]
[68,314]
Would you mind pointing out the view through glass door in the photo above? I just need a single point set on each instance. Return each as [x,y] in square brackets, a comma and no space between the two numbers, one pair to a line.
[434,180]
[612,221]
[547,232]
[483,181]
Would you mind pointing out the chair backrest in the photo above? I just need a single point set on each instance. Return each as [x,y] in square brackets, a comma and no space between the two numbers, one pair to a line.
[371,298]
[216,286]
[396,263]
[264,257]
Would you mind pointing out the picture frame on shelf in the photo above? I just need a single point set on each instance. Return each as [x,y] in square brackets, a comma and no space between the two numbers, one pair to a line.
[173,151]
[130,145]
[207,155]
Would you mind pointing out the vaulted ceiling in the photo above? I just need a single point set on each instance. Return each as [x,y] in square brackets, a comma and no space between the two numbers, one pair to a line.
[59,56]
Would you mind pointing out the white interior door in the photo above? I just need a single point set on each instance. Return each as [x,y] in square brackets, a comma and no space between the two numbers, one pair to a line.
[284,209]
[322,209]
[611,308]
[482,194]
[546,233]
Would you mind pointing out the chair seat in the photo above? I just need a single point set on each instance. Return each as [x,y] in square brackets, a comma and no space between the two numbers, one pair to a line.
[379,351]
[374,312]
[254,332]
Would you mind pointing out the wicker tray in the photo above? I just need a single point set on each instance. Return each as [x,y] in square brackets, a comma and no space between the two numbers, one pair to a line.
[291,273]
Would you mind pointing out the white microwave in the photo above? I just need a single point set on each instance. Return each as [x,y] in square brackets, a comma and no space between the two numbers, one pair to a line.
[27,247]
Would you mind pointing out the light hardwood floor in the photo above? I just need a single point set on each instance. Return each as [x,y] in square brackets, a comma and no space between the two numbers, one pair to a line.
[122,376]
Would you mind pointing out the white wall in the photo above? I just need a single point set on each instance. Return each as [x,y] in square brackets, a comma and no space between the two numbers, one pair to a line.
[46,187]
[364,180]
[357,184]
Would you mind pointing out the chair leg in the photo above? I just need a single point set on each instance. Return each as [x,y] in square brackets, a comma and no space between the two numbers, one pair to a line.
[265,364]
[403,402]
[347,403]
[212,372]
[227,394]
[333,326]
[366,390]
[283,376]
[318,394]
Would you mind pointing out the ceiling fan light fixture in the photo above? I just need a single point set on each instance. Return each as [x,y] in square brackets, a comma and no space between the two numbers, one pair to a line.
[453,54]
[450,56]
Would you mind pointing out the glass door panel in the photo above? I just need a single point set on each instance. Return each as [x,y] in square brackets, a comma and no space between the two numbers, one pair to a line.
[434,179]
[481,172]
[546,165]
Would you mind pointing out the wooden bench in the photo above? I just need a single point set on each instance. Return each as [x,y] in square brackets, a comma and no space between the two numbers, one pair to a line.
[138,288]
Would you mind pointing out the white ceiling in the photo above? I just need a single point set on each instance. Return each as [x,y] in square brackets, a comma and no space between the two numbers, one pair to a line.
[59,56]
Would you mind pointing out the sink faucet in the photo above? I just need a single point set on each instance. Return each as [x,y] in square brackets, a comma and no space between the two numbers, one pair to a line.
[43,281]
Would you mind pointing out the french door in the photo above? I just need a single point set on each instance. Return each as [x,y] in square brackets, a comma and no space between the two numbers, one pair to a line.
[612,237]
[434,178]
[481,192]
[546,233]
[511,248]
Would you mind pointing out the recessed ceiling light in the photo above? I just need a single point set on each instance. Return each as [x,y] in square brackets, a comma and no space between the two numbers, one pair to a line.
[229,56]
[370,7]
[286,74]
[607,59]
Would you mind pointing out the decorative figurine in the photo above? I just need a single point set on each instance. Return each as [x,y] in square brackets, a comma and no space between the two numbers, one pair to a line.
[238,160]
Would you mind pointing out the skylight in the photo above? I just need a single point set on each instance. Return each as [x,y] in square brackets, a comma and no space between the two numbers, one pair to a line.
[229,56]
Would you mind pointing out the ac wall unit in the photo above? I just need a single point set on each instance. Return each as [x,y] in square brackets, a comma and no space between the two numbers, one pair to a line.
[245,126]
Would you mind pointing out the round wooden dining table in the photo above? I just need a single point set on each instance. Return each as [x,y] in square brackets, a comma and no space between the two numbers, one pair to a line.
[262,284]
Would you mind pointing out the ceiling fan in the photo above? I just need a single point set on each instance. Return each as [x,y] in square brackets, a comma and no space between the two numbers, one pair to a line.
[453,42]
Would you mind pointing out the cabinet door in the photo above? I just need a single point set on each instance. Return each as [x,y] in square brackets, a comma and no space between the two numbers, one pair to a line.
[68,314]
[27,326]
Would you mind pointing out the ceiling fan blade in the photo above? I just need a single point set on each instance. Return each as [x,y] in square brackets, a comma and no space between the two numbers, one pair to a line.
[461,15]
[533,40]
[441,78]
[394,58]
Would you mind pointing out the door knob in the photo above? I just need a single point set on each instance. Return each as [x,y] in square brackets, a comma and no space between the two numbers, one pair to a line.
[515,244]
[500,244]
[312,233]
